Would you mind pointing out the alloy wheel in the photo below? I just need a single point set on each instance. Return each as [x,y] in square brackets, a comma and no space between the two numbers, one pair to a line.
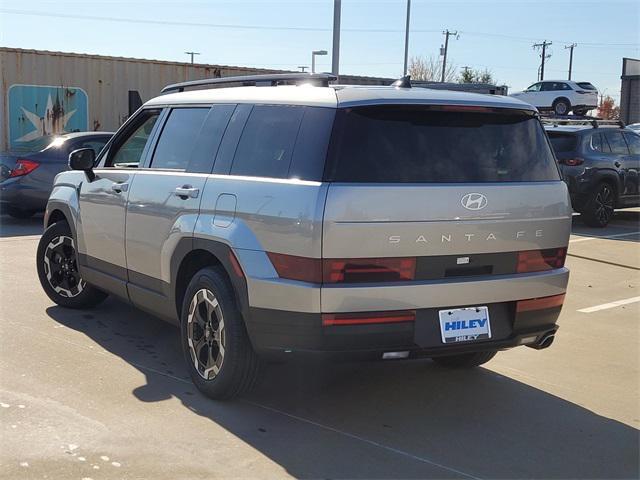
[61,267]
[604,204]
[205,334]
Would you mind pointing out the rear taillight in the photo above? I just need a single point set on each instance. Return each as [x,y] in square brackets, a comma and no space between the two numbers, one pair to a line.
[540,260]
[23,167]
[297,268]
[356,270]
[329,319]
[539,303]
[572,162]
[369,270]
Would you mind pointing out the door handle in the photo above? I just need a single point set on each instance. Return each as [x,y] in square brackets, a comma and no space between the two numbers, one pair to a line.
[186,191]
[119,187]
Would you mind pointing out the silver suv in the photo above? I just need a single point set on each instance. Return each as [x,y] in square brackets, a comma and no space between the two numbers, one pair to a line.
[294,216]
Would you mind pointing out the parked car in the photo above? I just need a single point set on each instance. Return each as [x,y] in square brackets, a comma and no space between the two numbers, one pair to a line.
[561,96]
[600,164]
[26,174]
[272,221]
[635,127]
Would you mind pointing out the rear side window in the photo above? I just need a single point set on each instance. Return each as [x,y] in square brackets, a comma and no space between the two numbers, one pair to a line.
[633,141]
[178,137]
[405,144]
[586,86]
[617,143]
[563,142]
[267,142]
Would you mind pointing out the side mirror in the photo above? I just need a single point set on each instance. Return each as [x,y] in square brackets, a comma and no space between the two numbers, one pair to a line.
[83,159]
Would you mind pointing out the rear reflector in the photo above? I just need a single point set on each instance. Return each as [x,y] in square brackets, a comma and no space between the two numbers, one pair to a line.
[540,260]
[23,167]
[539,303]
[363,318]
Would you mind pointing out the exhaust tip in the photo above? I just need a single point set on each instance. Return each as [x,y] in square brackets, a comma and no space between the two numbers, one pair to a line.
[545,342]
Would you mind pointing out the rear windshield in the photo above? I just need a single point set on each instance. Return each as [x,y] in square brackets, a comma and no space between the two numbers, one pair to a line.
[563,142]
[586,86]
[405,144]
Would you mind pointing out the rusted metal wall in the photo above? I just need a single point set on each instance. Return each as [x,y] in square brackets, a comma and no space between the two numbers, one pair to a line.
[107,81]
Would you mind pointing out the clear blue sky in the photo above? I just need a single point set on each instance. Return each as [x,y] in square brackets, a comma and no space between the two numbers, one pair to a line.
[496,34]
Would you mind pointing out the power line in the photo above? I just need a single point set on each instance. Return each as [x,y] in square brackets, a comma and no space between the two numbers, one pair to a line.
[10,11]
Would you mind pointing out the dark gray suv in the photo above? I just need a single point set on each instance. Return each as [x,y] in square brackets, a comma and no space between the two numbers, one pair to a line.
[600,163]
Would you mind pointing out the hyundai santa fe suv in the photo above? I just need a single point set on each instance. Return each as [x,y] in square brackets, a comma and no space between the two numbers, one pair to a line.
[292,216]
[561,96]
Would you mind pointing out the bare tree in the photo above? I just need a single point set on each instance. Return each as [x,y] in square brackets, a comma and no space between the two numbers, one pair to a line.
[429,69]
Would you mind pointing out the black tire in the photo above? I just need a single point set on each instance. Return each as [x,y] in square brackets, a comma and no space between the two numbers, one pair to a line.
[211,325]
[580,112]
[465,360]
[19,213]
[561,106]
[599,208]
[58,270]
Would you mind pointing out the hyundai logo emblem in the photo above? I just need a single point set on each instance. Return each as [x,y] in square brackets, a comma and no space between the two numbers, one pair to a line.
[474,201]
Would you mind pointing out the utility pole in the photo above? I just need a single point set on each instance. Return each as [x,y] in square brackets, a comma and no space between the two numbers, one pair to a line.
[447,34]
[192,54]
[335,52]
[571,47]
[406,37]
[544,55]
[303,68]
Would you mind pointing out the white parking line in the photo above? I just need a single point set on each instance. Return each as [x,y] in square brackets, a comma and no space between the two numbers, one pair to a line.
[585,239]
[605,306]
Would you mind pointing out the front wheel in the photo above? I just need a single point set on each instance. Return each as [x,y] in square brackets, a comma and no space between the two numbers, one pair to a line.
[219,355]
[465,360]
[58,270]
[598,210]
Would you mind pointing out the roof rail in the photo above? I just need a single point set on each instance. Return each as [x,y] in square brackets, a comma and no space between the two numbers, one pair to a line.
[593,121]
[271,80]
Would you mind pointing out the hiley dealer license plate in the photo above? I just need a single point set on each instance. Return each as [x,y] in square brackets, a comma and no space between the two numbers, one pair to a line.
[465,324]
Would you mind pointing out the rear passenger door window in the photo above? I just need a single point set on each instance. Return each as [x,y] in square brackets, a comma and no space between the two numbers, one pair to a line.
[178,138]
[617,143]
[267,142]
[633,141]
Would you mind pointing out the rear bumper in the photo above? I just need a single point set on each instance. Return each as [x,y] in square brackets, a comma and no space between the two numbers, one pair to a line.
[277,333]
[17,193]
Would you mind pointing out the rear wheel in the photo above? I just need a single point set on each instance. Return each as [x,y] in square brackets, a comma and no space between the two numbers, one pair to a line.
[219,356]
[561,106]
[580,111]
[465,360]
[58,270]
[599,208]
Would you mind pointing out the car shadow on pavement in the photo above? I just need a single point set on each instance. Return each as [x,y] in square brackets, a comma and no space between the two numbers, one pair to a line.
[14,227]
[624,227]
[394,419]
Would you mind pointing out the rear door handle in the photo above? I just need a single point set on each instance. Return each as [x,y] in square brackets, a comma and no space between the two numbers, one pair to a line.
[119,187]
[186,191]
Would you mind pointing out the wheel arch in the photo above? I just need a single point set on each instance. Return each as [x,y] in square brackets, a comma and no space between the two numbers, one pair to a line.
[612,179]
[193,254]
[58,211]
[557,99]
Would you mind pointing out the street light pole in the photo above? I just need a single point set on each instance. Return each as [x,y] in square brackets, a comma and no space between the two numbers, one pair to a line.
[406,37]
[313,58]
[335,49]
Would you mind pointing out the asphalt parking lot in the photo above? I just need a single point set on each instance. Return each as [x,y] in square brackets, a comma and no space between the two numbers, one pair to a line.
[104,394]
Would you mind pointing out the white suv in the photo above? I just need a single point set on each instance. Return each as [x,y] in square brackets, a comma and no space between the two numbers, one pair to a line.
[561,96]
